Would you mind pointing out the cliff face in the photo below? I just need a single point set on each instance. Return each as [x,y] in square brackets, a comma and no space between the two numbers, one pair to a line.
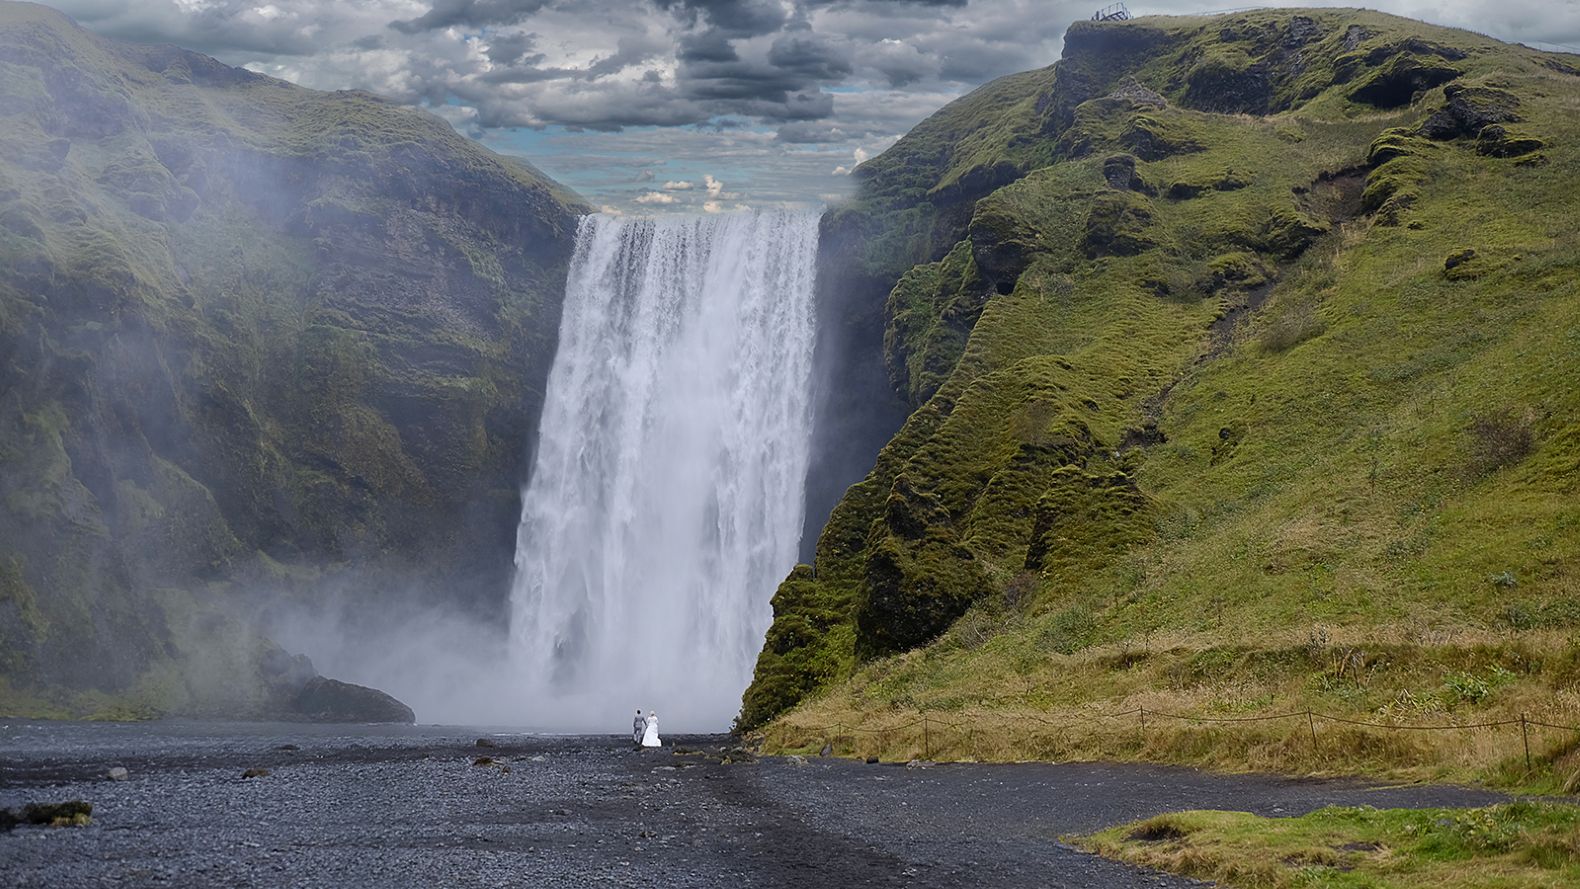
[253,338]
[1229,328]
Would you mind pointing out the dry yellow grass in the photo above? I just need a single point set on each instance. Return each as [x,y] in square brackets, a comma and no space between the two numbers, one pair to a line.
[1248,705]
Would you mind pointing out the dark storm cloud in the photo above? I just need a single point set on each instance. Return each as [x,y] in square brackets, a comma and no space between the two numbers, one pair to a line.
[811,56]
[470,14]
[512,49]
[736,18]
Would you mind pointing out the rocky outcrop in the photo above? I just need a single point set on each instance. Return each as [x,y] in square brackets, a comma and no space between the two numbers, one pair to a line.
[1468,110]
[329,700]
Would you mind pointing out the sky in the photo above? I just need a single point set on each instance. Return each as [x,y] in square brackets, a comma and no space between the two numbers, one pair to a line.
[648,106]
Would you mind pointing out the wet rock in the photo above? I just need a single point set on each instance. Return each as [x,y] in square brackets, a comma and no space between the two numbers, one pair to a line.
[117,773]
[486,742]
[329,700]
[255,773]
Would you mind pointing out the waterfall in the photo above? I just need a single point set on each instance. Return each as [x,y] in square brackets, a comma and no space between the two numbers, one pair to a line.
[665,502]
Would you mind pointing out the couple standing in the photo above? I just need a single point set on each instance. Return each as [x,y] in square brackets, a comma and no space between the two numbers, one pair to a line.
[644,730]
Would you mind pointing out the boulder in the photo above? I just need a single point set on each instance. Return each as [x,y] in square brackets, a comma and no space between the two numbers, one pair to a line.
[330,700]
[1496,141]
[1469,110]
[117,773]
[255,773]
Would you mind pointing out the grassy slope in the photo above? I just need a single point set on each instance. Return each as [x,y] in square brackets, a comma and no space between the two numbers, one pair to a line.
[1139,493]
[251,335]
[1510,846]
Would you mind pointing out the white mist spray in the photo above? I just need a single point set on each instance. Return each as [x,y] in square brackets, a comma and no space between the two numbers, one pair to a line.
[665,503]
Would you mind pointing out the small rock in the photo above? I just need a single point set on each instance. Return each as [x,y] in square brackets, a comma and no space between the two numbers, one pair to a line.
[796,760]
[828,750]
[540,758]
[255,773]
[117,773]
[920,764]
[872,760]
[483,761]
[486,742]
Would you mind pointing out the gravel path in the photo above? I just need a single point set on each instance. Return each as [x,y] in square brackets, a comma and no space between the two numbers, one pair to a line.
[382,807]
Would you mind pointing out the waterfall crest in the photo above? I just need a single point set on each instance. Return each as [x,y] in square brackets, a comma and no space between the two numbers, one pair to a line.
[666,497]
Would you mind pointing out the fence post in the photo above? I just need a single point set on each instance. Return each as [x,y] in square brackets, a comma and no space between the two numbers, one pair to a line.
[1525,735]
[1143,711]
[927,741]
[1312,724]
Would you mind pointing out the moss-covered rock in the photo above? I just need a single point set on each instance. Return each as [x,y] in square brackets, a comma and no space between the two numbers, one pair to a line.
[1118,225]
[1470,109]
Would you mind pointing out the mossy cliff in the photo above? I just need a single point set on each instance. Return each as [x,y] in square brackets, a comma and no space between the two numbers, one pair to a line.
[252,338]
[1223,335]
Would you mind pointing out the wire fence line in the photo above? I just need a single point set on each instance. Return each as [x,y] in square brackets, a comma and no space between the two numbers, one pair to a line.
[928,719]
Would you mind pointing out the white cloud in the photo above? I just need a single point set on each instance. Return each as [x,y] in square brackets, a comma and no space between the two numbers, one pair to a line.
[655,197]
[682,185]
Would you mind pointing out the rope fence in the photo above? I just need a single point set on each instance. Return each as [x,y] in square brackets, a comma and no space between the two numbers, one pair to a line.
[928,720]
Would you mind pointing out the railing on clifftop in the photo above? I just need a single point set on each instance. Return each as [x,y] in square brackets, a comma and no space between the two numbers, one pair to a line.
[1114,12]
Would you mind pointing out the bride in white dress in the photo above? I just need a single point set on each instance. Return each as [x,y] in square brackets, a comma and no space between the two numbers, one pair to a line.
[650,734]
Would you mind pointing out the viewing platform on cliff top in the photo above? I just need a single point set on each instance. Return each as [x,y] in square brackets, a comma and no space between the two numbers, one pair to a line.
[1114,12]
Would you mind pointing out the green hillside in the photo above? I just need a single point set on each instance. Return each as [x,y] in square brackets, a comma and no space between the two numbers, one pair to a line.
[257,343]
[1243,358]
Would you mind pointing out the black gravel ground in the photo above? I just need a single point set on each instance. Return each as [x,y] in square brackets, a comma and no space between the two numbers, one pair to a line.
[380,807]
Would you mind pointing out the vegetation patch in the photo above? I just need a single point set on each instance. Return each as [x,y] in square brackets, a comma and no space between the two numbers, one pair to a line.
[1511,845]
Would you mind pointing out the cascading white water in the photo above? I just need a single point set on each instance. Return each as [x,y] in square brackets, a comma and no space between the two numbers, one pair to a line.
[665,502]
